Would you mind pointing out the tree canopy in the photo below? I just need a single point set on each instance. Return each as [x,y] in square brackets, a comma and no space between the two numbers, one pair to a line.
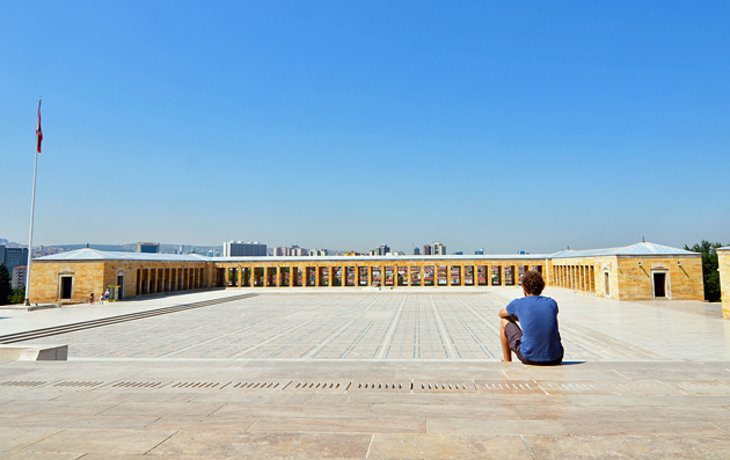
[709,268]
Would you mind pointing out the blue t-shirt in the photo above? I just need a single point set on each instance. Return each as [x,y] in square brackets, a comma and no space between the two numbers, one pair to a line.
[538,317]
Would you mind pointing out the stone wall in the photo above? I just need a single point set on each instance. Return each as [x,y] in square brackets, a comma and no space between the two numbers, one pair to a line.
[88,277]
[724,259]
[97,276]
[629,277]
[586,274]
[684,274]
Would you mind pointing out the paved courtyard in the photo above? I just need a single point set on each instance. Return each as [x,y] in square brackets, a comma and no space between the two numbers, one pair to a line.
[375,374]
[394,325]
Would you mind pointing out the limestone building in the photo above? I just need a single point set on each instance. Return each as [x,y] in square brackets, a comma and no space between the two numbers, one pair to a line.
[642,271]
[723,257]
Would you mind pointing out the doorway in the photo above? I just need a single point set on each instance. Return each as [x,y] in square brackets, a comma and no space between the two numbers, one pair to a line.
[120,283]
[659,282]
[66,287]
[607,283]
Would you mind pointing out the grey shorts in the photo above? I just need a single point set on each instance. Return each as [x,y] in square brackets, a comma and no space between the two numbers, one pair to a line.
[514,338]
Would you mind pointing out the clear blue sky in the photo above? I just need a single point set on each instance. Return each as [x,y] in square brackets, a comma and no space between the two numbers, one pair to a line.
[503,125]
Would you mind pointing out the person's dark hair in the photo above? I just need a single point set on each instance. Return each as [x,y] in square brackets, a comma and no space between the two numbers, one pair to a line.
[533,283]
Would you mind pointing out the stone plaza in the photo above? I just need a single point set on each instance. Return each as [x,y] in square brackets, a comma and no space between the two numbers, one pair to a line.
[365,373]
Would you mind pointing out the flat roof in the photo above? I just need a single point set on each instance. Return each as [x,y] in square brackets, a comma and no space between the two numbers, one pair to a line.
[644,248]
[89,254]
[384,258]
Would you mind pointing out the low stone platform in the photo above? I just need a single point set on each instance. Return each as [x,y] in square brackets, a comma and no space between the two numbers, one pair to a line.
[297,409]
[31,352]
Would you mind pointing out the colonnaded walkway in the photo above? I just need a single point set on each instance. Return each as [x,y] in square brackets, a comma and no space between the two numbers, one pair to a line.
[375,374]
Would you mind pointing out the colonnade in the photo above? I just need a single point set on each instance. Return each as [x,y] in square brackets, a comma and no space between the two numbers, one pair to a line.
[374,274]
[159,280]
[579,277]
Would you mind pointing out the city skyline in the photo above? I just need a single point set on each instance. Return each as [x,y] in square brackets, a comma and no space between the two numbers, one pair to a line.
[348,126]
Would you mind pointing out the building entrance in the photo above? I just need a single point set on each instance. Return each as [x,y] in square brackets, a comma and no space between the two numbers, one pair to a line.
[660,284]
[120,283]
[66,287]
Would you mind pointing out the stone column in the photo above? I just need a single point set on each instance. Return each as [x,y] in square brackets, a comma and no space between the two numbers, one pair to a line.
[569,269]
[573,277]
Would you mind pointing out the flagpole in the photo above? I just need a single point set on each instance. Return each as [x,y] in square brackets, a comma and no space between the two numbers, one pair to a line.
[30,237]
[32,219]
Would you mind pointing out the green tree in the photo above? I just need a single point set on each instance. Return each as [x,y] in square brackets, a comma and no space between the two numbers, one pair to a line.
[709,268]
[18,296]
[5,289]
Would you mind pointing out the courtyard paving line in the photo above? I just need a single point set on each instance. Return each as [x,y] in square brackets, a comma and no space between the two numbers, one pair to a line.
[446,340]
[164,338]
[360,313]
[317,348]
[388,337]
[222,336]
[417,329]
[282,334]
[304,334]
[22,321]
[487,351]
[604,345]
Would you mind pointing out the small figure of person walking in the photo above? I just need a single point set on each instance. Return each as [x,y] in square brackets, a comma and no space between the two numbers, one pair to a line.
[106,295]
[91,298]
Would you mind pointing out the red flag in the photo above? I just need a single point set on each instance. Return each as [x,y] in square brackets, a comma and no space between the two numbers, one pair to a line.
[38,131]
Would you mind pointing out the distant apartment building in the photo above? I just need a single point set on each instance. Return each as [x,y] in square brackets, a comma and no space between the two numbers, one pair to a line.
[18,276]
[244,249]
[427,250]
[479,252]
[318,252]
[416,251]
[148,248]
[299,252]
[459,253]
[439,249]
[289,251]
[13,257]
[382,250]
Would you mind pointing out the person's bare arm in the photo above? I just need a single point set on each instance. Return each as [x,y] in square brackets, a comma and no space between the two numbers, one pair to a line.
[504,315]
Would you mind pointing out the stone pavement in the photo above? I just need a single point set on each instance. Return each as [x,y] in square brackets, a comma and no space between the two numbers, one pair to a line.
[310,409]
[393,325]
[378,374]
[12,321]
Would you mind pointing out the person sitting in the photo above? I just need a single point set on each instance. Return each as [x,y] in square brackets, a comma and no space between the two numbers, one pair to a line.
[538,342]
